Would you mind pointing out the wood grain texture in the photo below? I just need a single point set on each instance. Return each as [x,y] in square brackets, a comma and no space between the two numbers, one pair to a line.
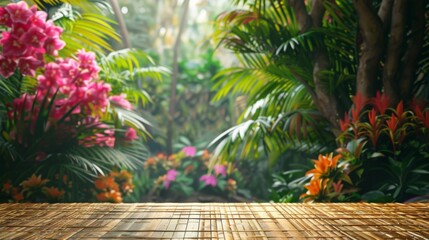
[214,221]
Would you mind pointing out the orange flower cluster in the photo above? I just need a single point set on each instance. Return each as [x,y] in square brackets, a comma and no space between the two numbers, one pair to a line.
[114,186]
[53,193]
[34,182]
[326,179]
[32,189]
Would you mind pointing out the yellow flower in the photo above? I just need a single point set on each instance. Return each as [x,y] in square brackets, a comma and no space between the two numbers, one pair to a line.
[34,182]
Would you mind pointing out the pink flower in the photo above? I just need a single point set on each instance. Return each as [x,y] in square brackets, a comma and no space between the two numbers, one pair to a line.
[96,95]
[39,20]
[220,169]
[51,30]
[209,180]
[34,37]
[52,45]
[7,66]
[170,177]
[110,141]
[13,48]
[28,65]
[189,151]
[19,12]
[121,101]
[130,134]
[5,17]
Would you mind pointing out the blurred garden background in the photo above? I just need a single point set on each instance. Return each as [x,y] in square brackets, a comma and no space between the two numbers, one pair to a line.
[214,101]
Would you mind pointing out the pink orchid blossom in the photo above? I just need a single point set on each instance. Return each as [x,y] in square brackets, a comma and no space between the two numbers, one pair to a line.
[210,180]
[220,169]
[130,134]
[34,37]
[190,151]
[121,101]
[170,177]
[28,65]
[19,12]
[29,35]
[7,66]
[5,17]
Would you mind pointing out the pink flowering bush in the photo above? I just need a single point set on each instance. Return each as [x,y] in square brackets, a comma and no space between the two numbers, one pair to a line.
[186,173]
[68,122]
[30,36]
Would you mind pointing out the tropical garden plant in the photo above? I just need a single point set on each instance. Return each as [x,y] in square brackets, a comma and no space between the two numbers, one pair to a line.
[62,126]
[301,64]
[188,174]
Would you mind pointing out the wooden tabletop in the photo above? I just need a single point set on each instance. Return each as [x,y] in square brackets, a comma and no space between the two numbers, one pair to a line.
[214,221]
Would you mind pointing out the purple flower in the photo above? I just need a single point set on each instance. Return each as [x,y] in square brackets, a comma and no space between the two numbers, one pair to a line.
[209,180]
[189,151]
[170,177]
[220,169]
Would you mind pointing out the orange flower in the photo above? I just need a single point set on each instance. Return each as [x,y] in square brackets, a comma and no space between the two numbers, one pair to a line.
[231,185]
[161,156]
[111,196]
[324,165]
[206,154]
[314,188]
[7,186]
[189,168]
[127,187]
[106,182]
[17,195]
[53,192]
[102,197]
[123,175]
[172,157]
[34,182]
[150,162]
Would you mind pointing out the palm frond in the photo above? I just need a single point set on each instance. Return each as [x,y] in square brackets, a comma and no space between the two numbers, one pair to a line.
[87,30]
[125,68]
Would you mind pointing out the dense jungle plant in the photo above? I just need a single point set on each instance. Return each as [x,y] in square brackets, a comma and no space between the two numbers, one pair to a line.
[302,61]
[384,155]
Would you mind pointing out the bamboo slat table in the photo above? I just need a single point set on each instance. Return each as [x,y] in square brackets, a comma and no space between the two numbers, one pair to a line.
[214,221]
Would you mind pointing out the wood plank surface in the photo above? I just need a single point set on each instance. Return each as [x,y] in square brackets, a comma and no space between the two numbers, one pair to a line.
[214,221]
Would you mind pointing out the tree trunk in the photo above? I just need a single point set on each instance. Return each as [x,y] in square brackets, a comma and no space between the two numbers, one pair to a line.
[371,31]
[393,54]
[416,13]
[324,101]
[174,75]
[121,23]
